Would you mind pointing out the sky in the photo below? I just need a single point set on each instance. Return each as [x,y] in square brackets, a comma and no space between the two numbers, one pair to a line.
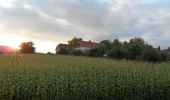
[50,22]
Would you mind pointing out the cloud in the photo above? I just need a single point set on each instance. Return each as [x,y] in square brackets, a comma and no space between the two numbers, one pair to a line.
[60,20]
[7,3]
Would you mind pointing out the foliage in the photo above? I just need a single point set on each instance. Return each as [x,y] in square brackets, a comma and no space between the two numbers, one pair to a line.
[118,53]
[50,53]
[77,53]
[96,52]
[150,55]
[162,56]
[116,43]
[135,49]
[168,52]
[74,42]
[47,77]
[106,45]
[27,47]
[63,51]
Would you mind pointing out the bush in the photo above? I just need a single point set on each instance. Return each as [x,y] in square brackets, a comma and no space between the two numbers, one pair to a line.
[63,51]
[163,56]
[153,55]
[150,55]
[49,53]
[118,53]
[96,52]
[77,52]
[168,55]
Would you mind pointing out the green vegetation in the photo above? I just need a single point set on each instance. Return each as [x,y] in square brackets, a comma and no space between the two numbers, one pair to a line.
[135,49]
[49,77]
[73,43]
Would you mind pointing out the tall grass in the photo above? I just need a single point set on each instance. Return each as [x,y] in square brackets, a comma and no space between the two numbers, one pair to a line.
[48,77]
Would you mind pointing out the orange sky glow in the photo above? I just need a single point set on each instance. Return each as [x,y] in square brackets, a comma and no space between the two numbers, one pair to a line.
[14,41]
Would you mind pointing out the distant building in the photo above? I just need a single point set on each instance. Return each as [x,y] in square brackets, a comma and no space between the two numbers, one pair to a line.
[60,46]
[86,45]
[5,50]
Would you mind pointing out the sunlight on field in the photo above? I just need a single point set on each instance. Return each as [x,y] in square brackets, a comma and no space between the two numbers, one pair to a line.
[64,77]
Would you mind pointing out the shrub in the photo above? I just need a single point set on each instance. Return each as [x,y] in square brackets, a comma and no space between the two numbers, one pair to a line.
[118,53]
[150,55]
[163,56]
[168,55]
[49,53]
[153,55]
[77,52]
[96,52]
[63,51]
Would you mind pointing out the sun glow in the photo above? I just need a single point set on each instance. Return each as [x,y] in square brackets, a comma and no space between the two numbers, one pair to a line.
[7,3]
[11,40]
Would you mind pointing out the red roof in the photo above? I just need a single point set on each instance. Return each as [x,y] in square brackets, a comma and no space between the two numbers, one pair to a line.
[87,44]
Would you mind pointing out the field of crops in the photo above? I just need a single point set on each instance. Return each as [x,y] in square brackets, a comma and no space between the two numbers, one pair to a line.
[49,77]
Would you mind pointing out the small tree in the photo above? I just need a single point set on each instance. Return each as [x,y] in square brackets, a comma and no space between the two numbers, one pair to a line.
[73,43]
[106,44]
[135,48]
[117,43]
[27,47]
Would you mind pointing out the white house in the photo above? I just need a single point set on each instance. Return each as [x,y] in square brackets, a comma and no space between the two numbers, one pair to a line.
[86,45]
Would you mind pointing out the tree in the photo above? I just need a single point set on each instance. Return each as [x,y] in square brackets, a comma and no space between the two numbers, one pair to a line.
[117,50]
[118,53]
[117,43]
[106,46]
[135,48]
[27,47]
[73,43]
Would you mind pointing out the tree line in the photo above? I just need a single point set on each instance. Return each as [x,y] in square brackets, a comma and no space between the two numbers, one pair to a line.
[135,49]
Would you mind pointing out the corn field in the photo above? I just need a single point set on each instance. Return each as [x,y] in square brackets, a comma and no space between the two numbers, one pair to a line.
[53,77]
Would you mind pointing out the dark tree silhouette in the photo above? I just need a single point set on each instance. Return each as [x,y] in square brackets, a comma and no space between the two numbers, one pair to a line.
[27,47]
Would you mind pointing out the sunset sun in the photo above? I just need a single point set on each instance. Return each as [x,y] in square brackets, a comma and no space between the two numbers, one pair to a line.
[12,41]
